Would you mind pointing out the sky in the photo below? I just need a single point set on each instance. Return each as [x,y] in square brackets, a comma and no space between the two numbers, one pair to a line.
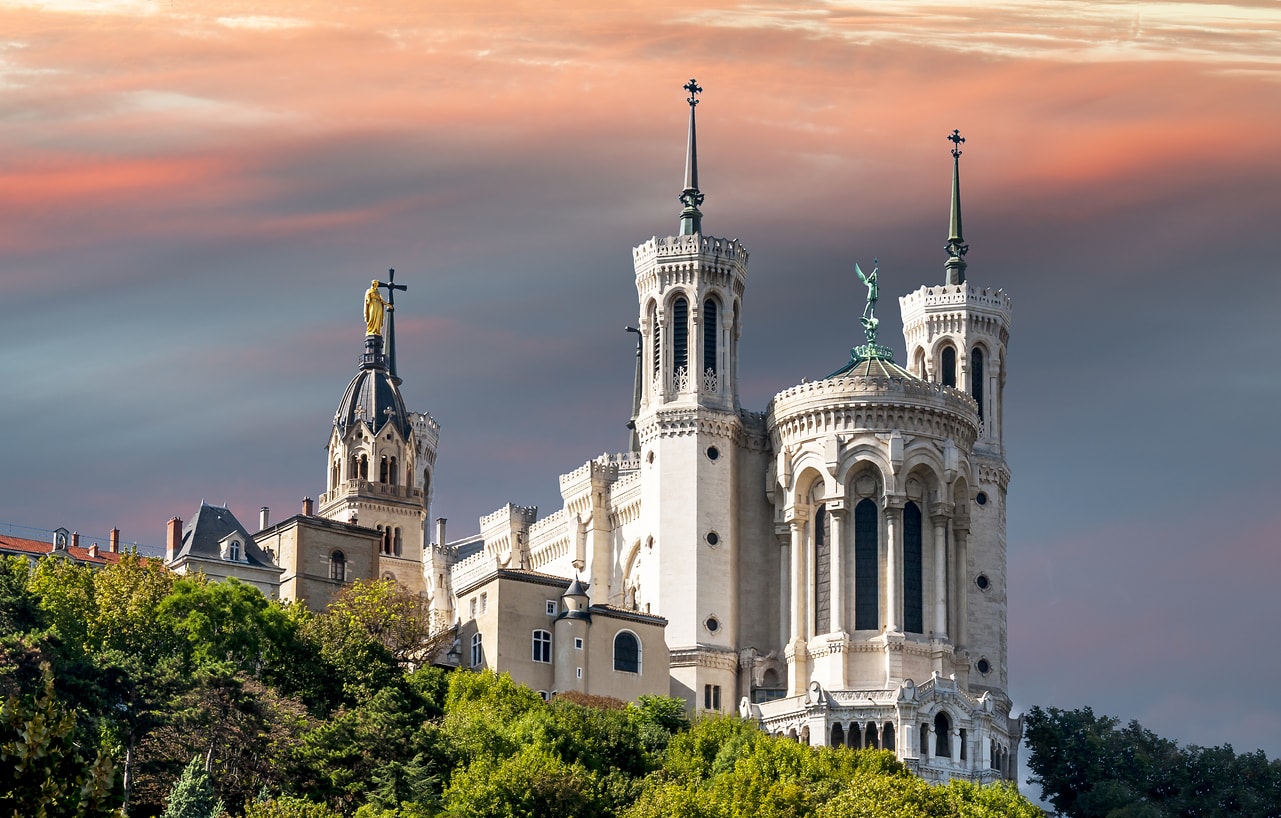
[195,195]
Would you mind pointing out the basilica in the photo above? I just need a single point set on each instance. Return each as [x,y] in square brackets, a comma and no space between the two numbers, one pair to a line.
[833,566]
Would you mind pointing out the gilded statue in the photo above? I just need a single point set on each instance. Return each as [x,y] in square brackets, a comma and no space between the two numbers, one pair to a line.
[375,309]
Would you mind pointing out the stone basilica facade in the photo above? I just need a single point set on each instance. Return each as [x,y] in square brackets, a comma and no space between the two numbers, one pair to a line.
[833,566]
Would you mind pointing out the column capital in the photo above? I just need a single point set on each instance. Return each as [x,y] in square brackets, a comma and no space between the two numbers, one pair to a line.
[793,515]
[941,512]
[836,505]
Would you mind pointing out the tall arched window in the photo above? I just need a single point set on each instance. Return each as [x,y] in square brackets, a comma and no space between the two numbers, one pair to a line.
[364,467]
[477,651]
[949,366]
[822,571]
[338,566]
[887,736]
[383,471]
[976,378]
[333,476]
[680,337]
[656,348]
[627,652]
[867,605]
[397,542]
[711,329]
[382,540]
[913,615]
[393,472]
[942,736]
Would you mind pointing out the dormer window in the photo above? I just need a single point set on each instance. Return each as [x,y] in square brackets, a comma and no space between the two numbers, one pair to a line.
[233,551]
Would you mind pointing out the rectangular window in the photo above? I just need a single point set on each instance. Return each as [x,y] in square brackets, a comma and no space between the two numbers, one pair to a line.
[551,607]
[542,646]
[580,673]
[484,602]
[472,607]
[578,643]
[711,697]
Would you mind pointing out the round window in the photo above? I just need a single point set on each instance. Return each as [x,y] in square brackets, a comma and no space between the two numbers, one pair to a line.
[712,624]
[983,582]
[983,666]
[981,498]
[713,452]
[713,538]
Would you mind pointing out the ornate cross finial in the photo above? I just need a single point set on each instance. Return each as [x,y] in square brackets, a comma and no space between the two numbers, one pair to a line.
[392,286]
[956,139]
[694,90]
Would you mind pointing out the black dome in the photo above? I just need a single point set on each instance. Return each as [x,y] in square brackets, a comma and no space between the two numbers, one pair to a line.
[372,397]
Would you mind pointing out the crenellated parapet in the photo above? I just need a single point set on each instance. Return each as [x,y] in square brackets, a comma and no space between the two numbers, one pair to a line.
[688,261]
[955,309]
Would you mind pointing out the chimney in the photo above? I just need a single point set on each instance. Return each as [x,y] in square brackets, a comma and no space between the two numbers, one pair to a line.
[307,509]
[75,539]
[115,541]
[440,531]
[263,514]
[173,539]
[93,550]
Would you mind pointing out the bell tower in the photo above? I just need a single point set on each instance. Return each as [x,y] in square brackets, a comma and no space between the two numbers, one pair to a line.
[957,334]
[375,477]
[690,288]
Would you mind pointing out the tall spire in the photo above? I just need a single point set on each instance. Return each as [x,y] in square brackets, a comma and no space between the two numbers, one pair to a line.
[392,286]
[691,197]
[956,246]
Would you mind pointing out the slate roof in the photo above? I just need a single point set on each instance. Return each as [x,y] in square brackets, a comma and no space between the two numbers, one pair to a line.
[372,397]
[202,537]
[873,368]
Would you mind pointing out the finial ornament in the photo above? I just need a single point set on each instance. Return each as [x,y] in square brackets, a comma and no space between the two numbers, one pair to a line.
[956,139]
[869,319]
[691,197]
[956,246]
[694,90]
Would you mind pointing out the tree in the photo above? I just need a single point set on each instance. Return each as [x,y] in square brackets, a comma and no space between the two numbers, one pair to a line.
[192,795]
[43,774]
[1090,767]
[392,615]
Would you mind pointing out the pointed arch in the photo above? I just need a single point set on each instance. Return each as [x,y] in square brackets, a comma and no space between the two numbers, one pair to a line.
[711,334]
[947,365]
[977,359]
[680,338]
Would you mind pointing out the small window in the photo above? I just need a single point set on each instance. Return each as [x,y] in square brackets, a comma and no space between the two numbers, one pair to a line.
[233,551]
[542,646]
[711,697]
[578,643]
[983,582]
[627,652]
[580,673]
[484,602]
[338,566]
[471,606]
[544,695]
[983,666]
[981,498]
[712,624]
[551,607]
[713,538]
[477,651]
[713,453]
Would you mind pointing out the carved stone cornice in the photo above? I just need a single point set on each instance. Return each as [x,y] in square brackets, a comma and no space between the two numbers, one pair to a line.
[993,472]
[690,420]
[702,656]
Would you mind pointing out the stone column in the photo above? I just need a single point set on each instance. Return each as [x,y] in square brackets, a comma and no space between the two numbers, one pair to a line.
[962,631]
[939,518]
[926,734]
[836,513]
[893,569]
[799,589]
[785,588]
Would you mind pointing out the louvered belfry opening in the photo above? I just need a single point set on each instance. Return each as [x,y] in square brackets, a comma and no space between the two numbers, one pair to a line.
[913,614]
[866,570]
[711,326]
[680,337]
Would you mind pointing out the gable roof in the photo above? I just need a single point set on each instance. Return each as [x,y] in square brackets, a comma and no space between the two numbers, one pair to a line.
[202,537]
[94,555]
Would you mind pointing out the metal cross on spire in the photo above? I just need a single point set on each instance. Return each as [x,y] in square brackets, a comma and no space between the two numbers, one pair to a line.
[392,286]
[956,246]
[956,139]
[691,197]
[694,90]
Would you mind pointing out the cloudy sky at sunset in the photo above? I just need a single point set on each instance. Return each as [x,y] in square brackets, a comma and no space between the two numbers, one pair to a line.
[194,196]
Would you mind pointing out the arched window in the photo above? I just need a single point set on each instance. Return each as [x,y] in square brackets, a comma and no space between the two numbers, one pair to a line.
[913,615]
[333,476]
[867,605]
[838,736]
[949,367]
[397,544]
[627,652]
[233,551]
[822,571]
[427,485]
[338,566]
[393,472]
[942,736]
[656,348]
[711,329]
[870,740]
[355,467]
[542,646]
[383,471]
[364,467]
[680,336]
[887,736]
[918,363]
[976,378]
[477,651]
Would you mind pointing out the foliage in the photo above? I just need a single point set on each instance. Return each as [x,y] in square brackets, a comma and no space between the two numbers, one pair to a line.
[42,771]
[289,807]
[193,795]
[1090,767]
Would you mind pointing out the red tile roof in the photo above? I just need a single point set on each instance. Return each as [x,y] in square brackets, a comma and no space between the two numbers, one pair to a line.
[16,546]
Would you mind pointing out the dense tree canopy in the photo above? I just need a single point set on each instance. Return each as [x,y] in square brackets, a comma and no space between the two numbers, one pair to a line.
[1091,767]
[156,694]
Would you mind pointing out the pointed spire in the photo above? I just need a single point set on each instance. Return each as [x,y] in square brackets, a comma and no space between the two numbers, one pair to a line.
[392,286]
[691,197]
[956,246]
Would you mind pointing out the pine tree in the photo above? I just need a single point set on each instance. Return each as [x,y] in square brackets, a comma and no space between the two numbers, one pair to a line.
[193,795]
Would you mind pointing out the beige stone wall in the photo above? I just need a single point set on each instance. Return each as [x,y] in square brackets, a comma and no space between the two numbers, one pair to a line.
[303,549]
